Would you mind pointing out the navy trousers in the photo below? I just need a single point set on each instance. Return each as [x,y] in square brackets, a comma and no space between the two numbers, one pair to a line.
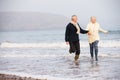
[75,47]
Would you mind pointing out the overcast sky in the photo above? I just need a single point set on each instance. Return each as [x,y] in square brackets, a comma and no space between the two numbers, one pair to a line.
[106,11]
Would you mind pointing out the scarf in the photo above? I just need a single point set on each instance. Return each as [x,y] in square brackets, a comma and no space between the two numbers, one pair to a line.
[76,26]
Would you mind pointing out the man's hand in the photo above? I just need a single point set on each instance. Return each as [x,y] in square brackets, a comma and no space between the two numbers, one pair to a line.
[67,43]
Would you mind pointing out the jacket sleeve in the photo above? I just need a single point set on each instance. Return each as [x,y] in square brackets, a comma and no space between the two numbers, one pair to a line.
[102,30]
[83,31]
[67,33]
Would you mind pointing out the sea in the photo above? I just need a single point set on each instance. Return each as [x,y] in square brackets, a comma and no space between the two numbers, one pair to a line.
[44,54]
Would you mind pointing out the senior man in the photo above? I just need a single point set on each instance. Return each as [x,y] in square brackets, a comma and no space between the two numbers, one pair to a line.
[73,30]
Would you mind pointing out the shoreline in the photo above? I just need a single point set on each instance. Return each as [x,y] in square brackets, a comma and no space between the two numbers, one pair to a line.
[16,77]
[104,69]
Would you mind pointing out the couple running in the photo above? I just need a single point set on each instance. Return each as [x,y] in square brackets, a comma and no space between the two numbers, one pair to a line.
[73,30]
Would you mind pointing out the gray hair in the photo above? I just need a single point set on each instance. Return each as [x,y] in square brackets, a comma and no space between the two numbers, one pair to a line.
[92,17]
[73,16]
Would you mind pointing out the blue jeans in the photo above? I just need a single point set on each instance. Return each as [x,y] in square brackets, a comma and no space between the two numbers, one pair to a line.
[94,48]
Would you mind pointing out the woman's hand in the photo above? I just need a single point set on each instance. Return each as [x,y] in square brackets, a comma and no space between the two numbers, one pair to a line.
[106,32]
[89,33]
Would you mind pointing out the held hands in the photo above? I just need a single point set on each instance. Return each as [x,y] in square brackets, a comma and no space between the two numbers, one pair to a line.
[89,33]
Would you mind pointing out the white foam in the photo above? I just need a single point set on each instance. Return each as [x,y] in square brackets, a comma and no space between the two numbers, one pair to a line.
[33,45]
[117,55]
[56,44]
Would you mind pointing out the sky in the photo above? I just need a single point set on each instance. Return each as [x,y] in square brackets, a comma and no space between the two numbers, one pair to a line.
[106,11]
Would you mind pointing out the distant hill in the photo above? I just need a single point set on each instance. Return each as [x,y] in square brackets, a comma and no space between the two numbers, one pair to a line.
[12,21]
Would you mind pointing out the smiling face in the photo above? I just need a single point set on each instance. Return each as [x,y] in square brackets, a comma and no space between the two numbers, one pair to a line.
[74,19]
[93,19]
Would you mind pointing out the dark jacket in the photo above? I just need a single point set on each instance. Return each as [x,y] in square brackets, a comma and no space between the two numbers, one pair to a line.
[71,35]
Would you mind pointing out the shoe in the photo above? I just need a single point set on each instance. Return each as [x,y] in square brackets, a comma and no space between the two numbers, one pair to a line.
[76,57]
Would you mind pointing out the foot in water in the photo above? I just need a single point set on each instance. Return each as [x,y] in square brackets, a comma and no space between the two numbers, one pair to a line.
[77,63]
[76,57]
[96,59]
[92,59]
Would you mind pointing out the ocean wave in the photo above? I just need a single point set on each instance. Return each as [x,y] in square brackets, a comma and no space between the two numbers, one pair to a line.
[102,55]
[57,44]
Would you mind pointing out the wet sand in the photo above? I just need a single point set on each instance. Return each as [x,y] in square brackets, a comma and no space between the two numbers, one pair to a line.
[14,77]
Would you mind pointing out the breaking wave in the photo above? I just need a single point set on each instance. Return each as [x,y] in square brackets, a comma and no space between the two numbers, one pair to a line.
[57,44]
